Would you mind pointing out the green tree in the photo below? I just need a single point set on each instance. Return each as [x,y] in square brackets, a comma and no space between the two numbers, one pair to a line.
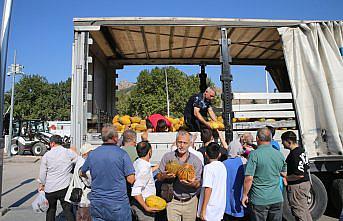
[35,98]
[149,94]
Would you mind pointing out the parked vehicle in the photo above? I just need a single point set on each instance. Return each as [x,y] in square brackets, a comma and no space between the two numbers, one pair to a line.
[30,135]
[33,136]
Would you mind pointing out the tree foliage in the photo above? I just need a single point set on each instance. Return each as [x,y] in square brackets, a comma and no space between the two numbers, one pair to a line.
[36,98]
[149,94]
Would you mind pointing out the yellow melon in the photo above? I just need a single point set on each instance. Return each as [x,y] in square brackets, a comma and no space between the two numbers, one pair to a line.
[125,120]
[186,172]
[140,127]
[156,202]
[243,119]
[133,126]
[214,125]
[175,121]
[262,119]
[118,126]
[115,119]
[221,126]
[172,167]
[135,120]
[176,126]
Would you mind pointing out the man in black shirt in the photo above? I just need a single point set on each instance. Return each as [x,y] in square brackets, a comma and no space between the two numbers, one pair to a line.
[197,110]
[299,185]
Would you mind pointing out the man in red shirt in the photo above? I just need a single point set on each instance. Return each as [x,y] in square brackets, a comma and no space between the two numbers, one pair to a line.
[159,122]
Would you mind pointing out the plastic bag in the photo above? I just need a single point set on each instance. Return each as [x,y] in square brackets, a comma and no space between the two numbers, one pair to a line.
[40,204]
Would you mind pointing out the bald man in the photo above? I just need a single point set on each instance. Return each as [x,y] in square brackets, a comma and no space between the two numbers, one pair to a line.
[261,183]
[198,108]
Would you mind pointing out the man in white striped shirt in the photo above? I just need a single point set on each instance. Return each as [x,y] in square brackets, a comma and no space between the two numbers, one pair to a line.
[55,176]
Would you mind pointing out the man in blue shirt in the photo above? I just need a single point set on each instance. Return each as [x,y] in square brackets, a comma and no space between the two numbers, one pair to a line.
[110,168]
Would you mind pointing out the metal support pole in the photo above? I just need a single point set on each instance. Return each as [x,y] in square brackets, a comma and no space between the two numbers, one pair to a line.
[226,79]
[14,72]
[267,85]
[203,77]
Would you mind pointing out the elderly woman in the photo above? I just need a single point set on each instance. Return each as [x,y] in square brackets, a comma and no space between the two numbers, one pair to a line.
[82,213]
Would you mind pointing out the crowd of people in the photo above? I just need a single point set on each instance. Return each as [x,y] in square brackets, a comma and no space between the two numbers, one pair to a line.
[239,181]
[236,181]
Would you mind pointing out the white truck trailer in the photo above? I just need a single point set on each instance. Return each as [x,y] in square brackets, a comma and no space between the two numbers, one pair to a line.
[304,59]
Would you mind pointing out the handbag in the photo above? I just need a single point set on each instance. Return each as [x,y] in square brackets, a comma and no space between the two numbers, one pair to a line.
[76,193]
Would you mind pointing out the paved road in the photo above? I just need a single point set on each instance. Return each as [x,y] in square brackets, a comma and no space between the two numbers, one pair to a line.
[19,189]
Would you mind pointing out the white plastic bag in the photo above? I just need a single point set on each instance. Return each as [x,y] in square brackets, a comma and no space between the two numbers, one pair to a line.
[40,204]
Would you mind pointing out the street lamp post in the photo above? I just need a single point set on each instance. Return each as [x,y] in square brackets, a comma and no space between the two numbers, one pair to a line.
[167,91]
[14,69]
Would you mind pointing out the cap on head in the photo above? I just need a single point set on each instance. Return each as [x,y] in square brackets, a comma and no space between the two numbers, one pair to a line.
[86,147]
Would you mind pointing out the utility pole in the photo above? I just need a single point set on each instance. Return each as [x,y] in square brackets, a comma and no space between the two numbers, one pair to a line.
[4,35]
[14,69]
[167,92]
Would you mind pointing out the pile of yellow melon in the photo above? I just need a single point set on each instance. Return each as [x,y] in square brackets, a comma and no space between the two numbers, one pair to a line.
[126,122]
[139,125]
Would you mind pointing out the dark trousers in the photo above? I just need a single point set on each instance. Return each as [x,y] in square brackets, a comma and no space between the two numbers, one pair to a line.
[194,125]
[271,212]
[52,199]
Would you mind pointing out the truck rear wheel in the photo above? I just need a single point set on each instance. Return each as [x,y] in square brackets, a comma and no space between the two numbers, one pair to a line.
[39,149]
[319,198]
[317,201]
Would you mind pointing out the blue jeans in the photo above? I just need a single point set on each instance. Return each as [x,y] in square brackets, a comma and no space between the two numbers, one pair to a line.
[104,212]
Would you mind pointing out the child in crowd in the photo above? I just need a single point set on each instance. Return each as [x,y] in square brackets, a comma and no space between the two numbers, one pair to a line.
[213,193]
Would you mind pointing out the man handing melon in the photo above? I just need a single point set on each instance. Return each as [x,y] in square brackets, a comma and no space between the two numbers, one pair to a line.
[182,170]
[197,110]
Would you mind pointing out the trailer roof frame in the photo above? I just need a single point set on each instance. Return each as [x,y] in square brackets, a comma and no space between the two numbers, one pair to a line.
[185,41]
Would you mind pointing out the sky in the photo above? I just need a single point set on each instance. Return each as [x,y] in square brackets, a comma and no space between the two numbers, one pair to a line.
[42,30]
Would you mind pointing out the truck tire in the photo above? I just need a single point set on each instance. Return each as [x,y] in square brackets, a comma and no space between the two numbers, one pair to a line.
[39,149]
[317,202]
[319,198]
[14,149]
[336,193]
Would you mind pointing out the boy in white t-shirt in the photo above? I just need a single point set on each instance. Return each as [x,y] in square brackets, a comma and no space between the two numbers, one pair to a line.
[213,193]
